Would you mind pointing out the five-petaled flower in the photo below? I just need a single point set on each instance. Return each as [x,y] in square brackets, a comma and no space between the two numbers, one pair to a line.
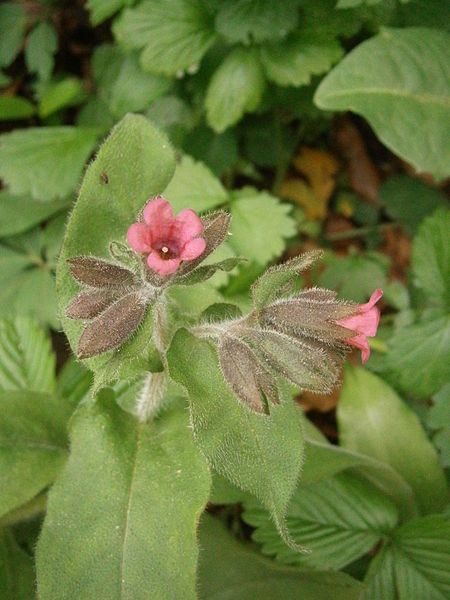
[165,239]
[364,323]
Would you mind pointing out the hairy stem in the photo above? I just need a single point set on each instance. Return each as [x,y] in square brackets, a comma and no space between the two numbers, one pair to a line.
[151,396]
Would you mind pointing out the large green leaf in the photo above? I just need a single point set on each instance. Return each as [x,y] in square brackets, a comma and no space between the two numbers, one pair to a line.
[16,570]
[138,163]
[230,570]
[296,60]
[373,420]
[259,453]
[27,361]
[260,224]
[431,258]
[19,213]
[175,34]
[419,356]
[122,518]
[235,89]
[338,519]
[32,445]
[194,186]
[399,81]
[45,162]
[415,564]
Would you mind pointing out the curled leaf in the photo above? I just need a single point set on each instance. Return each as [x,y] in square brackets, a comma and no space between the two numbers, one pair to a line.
[250,381]
[87,305]
[99,273]
[113,327]
[215,231]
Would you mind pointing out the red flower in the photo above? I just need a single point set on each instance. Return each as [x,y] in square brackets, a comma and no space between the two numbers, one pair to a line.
[364,323]
[167,240]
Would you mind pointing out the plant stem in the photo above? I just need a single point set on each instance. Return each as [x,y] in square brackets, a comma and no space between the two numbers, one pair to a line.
[151,396]
[359,232]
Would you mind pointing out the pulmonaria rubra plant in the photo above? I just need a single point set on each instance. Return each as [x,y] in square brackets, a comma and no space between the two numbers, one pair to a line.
[301,337]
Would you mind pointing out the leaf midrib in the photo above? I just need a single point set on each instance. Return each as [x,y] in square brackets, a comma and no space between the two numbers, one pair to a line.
[420,98]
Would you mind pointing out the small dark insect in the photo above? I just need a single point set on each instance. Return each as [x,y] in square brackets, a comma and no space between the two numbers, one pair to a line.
[104,177]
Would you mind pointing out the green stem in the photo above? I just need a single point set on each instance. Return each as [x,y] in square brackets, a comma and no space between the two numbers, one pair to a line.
[359,232]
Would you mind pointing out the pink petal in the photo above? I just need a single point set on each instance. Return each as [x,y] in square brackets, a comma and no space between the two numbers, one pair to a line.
[193,249]
[360,341]
[362,322]
[158,211]
[139,237]
[189,225]
[377,294]
[163,266]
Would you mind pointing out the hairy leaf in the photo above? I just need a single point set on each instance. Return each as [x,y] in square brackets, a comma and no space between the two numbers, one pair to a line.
[87,305]
[99,273]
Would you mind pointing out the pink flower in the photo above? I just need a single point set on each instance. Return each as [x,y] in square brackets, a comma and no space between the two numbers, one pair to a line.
[364,323]
[167,240]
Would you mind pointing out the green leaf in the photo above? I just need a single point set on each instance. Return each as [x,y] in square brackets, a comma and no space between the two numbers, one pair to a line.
[235,88]
[419,357]
[248,21]
[19,213]
[373,420]
[399,81]
[138,162]
[144,486]
[74,382]
[12,30]
[415,565]
[431,258]
[260,224]
[338,519]
[134,90]
[426,13]
[260,454]
[321,19]
[439,419]
[354,276]
[296,60]
[15,107]
[16,570]
[32,445]
[100,10]
[175,34]
[353,3]
[45,162]
[409,201]
[59,95]
[194,186]
[27,360]
[218,151]
[231,570]
[41,46]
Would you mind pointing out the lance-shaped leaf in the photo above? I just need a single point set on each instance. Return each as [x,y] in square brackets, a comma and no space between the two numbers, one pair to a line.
[87,305]
[271,284]
[122,518]
[305,363]
[206,271]
[308,317]
[113,327]
[246,375]
[134,164]
[214,233]
[99,273]
[261,454]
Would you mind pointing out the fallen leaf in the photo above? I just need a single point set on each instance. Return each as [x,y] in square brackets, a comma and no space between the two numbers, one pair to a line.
[320,169]
[299,192]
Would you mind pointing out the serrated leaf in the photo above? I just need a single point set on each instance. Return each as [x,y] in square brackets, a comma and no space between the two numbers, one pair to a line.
[174,34]
[249,21]
[339,519]
[19,213]
[41,46]
[60,94]
[194,186]
[232,570]
[235,88]
[431,258]
[45,162]
[259,453]
[32,445]
[15,107]
[100,10]
[144,486]
[414,565]
[375,80]
[296,60]
[419,357]
[27,360]
[260,224]
[16,570]
[138,162]
[12,30]
[395,435]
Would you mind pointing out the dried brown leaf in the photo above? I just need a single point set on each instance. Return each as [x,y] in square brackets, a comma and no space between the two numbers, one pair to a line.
[113,327]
